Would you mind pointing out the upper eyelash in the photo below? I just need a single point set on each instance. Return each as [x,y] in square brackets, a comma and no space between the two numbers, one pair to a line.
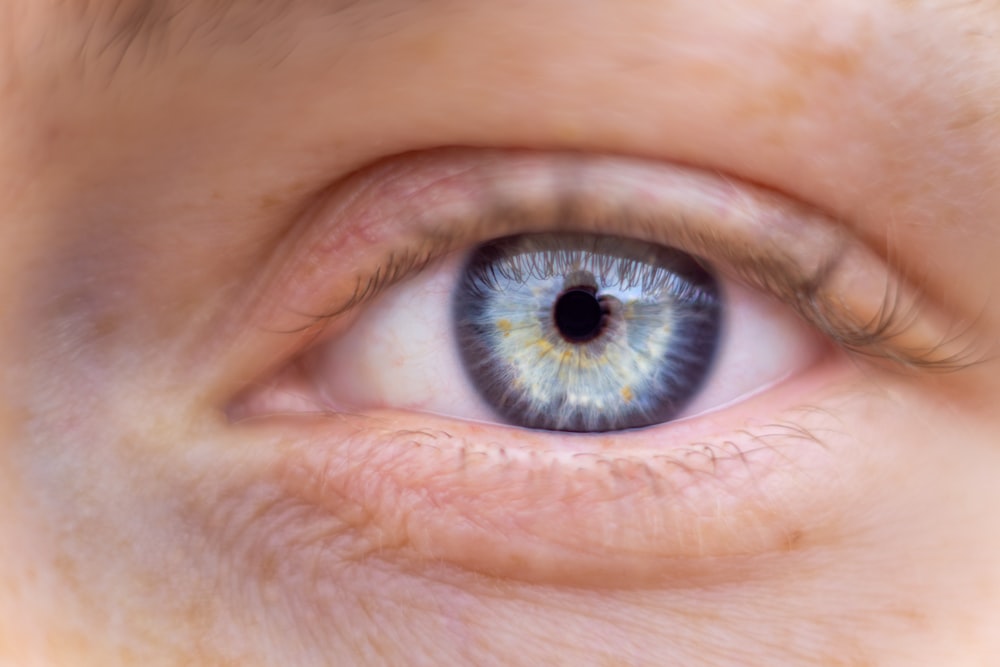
[875,337]
[878,336]
[770,269]
[547,260]
[398,265]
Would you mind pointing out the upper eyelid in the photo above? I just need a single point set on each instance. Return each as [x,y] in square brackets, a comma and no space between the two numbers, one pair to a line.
[787,249]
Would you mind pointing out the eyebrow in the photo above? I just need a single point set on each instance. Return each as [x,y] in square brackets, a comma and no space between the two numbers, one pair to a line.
[148,30]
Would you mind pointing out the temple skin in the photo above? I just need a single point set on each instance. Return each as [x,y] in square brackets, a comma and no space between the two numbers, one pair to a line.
[167,173]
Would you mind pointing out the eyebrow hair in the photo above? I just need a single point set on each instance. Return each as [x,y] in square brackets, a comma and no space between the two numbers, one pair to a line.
[148,30]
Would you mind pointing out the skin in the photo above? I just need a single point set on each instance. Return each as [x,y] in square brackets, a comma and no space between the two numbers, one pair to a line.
[158,197]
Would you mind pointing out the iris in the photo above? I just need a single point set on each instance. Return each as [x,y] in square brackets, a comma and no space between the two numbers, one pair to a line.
[587,333]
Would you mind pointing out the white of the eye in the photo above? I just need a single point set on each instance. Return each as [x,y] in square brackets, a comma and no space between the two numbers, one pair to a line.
[401,352]
[762,342]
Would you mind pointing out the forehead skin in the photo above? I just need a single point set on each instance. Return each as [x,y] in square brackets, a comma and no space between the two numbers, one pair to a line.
[153,154]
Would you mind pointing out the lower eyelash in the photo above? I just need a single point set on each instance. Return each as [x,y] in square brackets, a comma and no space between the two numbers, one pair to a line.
[459,497]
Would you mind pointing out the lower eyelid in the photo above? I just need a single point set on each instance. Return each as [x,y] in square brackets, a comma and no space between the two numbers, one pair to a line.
[622,510]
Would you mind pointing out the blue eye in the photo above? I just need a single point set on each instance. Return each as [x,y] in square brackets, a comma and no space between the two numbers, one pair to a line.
[629,295]
[562,332]
[580,332]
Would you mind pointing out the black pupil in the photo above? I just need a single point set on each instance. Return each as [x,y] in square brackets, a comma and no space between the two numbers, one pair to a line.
[579,315]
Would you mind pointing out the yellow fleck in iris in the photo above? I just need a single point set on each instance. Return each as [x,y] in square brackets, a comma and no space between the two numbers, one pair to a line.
[504,326]
[544,347]
[627,394]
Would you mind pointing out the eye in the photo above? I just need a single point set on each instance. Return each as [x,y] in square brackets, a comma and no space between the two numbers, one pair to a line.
[567,332]
[396,408]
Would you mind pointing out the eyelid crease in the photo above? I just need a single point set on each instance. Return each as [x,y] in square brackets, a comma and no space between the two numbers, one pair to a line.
[786,249]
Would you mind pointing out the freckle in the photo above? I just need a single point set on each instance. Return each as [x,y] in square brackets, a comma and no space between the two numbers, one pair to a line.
[914,617]
[776,138]
[426,47]
[844,61]
[105,326]
[788,101]
[67,569]
[710,71]
[568,131]
[794,540]
[821,55]
[268,202]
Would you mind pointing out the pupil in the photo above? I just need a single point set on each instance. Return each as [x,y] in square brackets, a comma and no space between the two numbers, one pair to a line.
[579,315]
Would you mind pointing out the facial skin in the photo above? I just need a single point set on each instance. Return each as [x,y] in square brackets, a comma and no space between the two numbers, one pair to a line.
[184,185]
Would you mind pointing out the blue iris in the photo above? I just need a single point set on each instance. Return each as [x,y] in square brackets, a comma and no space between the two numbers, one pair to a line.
[588,333]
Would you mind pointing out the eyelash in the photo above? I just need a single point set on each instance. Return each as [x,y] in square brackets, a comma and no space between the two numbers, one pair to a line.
[876,337]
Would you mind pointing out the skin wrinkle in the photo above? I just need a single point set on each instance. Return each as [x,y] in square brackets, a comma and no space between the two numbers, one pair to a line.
[273,542]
